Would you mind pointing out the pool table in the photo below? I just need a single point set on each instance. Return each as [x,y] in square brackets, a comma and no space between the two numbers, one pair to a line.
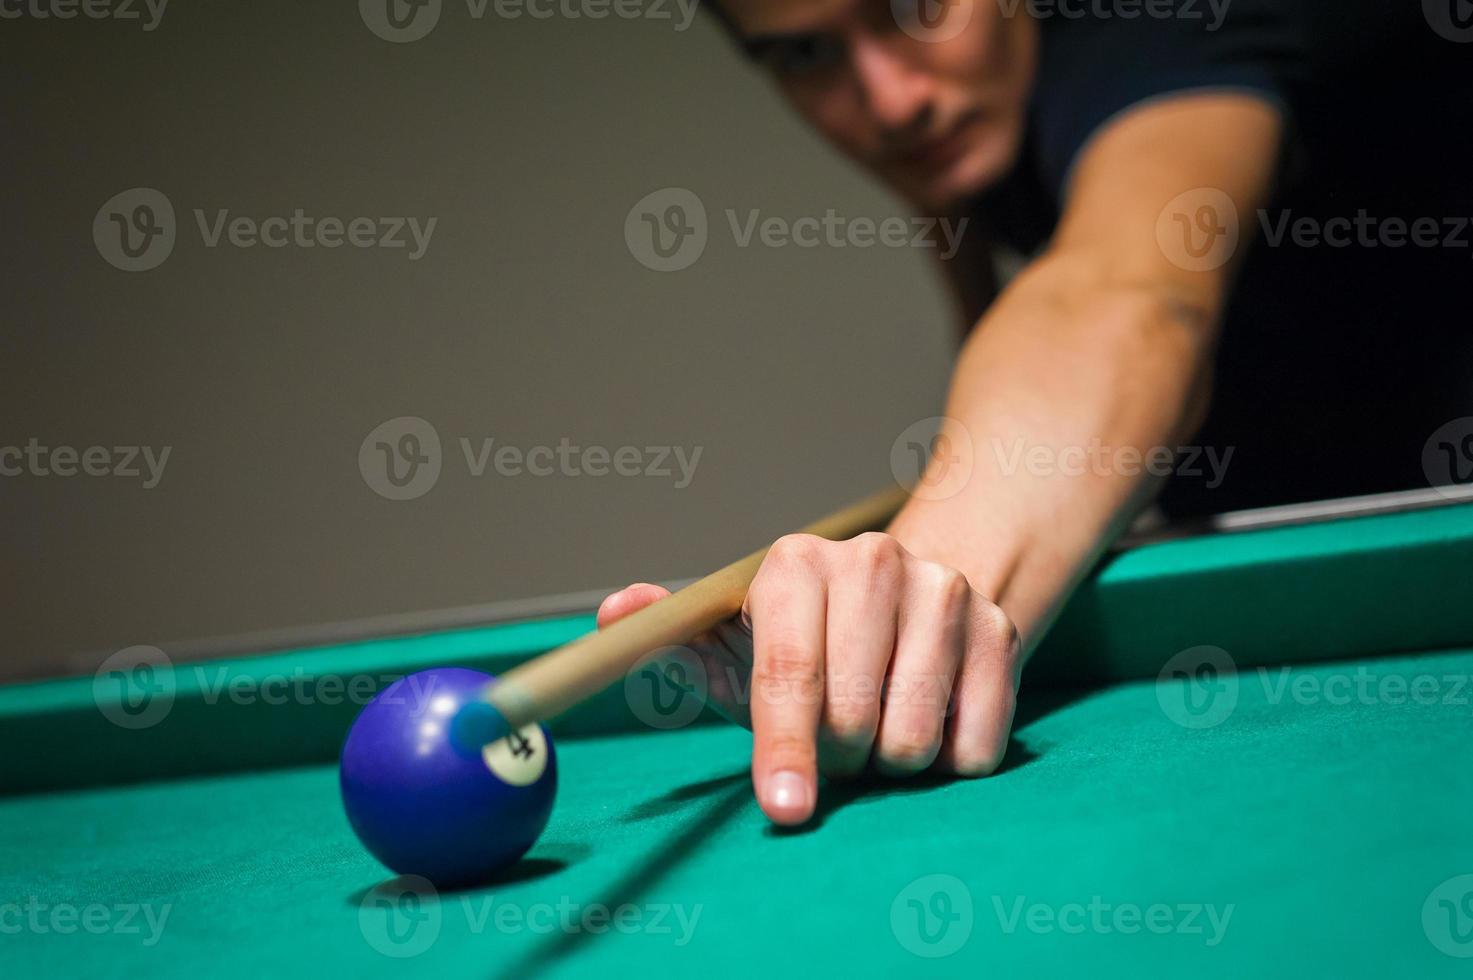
[1244,750]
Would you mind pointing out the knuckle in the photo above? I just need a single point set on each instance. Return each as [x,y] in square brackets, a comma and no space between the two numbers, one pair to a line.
[874,549]
[978,758]
[786,659]
[949,587]
[877,558]
[851,724]
[997,628]
[790,550]
[910,750]
[955,584]
[787,749]
[978,749]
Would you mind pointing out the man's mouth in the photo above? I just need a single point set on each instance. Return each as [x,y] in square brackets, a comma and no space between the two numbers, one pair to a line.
[944,147]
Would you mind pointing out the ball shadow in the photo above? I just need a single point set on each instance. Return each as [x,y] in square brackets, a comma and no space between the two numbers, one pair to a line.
[722,803]
[527,869]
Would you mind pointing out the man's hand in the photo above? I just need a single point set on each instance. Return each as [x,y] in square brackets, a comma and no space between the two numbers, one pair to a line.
[856,654]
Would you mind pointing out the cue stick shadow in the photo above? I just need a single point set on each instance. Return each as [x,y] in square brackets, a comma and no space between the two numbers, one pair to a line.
[730,795]
[682,796]
[729,801]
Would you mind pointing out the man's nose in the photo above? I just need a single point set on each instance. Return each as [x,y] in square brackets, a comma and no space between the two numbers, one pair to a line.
[896,93]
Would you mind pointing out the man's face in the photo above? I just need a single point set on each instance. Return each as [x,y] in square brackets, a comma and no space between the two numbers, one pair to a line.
[928,94]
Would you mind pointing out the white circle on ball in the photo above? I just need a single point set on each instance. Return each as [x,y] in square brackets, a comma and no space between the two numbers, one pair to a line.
[518,759]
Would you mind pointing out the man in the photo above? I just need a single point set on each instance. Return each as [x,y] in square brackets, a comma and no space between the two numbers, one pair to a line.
[1156,163]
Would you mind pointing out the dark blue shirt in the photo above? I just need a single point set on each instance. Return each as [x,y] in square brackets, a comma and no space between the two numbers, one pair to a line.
[1337,363]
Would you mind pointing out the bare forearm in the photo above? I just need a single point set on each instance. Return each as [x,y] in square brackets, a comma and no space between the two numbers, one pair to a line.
[1060,396]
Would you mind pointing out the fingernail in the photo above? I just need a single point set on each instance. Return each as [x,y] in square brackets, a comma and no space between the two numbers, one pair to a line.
[789,791]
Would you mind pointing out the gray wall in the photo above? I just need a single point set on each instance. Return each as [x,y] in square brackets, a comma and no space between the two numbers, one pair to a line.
[527,320]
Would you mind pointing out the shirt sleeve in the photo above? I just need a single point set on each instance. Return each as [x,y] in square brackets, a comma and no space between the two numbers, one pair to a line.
[1095,67]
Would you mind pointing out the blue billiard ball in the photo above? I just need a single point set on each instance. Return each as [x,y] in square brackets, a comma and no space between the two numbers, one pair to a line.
[424,805]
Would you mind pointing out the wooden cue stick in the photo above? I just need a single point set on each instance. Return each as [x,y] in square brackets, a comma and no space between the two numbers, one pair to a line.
[555,681]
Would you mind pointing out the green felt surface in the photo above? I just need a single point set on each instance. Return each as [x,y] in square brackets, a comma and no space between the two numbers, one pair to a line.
[1322,818]
[1316,591]
[1365,586]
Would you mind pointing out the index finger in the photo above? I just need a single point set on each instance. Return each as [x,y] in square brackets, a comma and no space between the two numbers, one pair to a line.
[788,608]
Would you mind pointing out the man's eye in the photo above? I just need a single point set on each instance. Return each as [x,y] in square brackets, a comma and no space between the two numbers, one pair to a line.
[925,14]
[805,56]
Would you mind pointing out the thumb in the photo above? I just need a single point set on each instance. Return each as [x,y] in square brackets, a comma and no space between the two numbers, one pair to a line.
[628,600]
